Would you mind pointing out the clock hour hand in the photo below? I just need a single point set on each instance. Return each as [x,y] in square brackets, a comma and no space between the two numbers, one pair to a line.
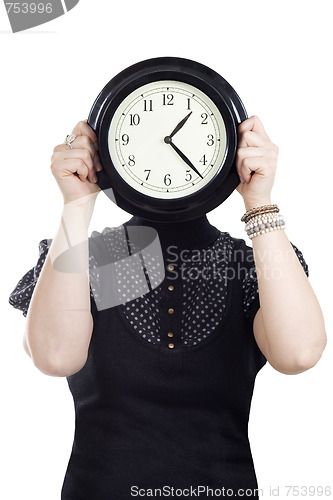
[180,125]
[183,157]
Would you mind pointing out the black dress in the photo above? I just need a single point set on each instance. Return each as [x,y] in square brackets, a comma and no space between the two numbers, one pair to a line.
[163,400]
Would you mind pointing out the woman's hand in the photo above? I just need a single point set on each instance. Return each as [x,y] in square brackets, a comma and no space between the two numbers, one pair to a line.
[75,169]
[256,163]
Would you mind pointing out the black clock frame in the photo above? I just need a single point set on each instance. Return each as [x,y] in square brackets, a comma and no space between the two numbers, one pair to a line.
[214,86]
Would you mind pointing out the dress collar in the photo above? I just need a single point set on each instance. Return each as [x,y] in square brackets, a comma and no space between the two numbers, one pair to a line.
[193,234]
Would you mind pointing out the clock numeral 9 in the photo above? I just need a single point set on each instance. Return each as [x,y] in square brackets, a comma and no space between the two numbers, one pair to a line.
[210,141]
[131,160]
[167,100]
[167,180]
[188,175]
[204,117]
[125,139]
[134,119]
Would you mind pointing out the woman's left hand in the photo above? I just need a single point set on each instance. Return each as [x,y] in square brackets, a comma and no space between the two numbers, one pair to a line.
[256,153]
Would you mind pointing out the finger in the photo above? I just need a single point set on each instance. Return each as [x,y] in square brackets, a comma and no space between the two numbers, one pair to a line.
[253,123]
[252,139]
[254,164]
[72,166]
[77,154]
[84,142]
[82,128]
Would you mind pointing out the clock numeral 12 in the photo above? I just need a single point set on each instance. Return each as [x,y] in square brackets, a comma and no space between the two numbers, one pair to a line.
[167,99]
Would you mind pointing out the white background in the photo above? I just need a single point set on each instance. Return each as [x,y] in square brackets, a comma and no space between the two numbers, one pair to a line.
[278,57]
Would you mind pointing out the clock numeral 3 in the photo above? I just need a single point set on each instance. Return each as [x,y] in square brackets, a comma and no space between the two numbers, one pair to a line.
[134,119]
[167,99]
[210,141]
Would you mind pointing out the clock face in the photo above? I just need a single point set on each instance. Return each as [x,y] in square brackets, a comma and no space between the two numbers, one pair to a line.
[167,139]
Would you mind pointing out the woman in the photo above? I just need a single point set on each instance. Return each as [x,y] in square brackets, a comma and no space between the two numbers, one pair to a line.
[162,383]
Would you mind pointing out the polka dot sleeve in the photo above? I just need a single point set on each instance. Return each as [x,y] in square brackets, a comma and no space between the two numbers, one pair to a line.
[21,295]
[250,286]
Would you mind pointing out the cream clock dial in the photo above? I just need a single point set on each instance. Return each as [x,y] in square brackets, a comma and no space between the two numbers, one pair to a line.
[167,139]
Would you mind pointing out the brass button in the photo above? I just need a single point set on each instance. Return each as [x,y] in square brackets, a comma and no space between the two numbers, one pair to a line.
[170,334]
[171,288]
[171,311]
[171,267]
[171,346]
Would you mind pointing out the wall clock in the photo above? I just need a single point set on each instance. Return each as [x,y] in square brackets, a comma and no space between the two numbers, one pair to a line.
[167,133]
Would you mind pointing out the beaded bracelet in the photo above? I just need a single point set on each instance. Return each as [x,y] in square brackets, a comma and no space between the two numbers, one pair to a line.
[259,210]
[264,223]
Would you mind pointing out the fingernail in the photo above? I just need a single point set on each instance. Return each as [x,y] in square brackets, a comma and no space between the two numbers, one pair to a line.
[95,179]
[98,167]
[96,146]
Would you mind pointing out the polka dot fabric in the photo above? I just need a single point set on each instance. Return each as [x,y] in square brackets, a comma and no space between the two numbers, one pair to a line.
[203,281]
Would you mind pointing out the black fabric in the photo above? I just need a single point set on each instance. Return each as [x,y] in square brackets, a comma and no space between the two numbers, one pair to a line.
[149,416]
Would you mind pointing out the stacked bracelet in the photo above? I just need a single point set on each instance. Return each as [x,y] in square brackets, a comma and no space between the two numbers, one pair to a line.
[259,210]
[261,220]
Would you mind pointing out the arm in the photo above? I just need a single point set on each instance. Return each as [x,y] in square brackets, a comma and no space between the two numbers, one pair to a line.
[289,326]
[59,323]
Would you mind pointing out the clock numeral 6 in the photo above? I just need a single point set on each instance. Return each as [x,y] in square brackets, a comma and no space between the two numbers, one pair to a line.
[210,141]
[167,99]
[134,119]
[125,139]
[188,176]
[167,180]
[131,160]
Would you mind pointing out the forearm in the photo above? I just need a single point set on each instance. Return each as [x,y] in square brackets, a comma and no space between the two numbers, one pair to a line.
[292,317]
[59,322]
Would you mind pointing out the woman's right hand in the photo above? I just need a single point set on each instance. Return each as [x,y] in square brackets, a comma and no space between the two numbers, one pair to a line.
[75,169]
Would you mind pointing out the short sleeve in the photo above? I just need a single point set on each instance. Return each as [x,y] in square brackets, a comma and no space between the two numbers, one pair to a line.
[250,285]
[21,295]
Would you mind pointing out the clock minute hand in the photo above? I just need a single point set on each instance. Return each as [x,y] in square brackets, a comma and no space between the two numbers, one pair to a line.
[180,125]
[183,157]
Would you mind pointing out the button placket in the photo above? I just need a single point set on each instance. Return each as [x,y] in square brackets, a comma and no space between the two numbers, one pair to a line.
[171,348]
